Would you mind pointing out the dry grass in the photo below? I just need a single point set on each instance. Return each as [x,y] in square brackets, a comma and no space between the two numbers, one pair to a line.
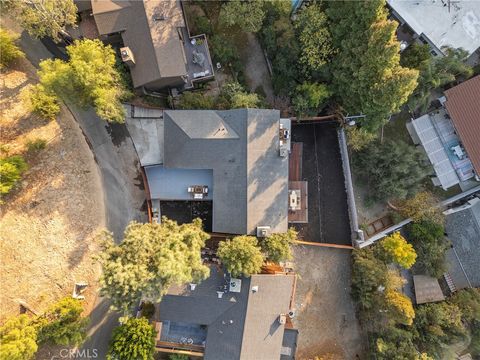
[48,223]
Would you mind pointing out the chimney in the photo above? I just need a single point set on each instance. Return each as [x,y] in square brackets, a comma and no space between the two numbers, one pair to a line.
[127,56]
[282,319]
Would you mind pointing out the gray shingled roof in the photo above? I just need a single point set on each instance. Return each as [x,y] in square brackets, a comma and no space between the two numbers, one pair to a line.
[240,325]
[250,178]
[156,45]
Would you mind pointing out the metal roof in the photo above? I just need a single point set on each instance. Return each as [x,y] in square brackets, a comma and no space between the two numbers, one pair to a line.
[463,105]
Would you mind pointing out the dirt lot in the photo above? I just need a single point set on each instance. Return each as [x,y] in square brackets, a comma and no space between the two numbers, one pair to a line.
[48,223]
[328,220]
[325,312]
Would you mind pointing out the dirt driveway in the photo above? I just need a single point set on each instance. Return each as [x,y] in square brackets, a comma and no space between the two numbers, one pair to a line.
[326,319]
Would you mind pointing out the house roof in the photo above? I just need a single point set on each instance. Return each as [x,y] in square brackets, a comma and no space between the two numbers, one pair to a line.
[240,325]
[155,44]
[242,148]
[456,25]
[463,105]
[427,289]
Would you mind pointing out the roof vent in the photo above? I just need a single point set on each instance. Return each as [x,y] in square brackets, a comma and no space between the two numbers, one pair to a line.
[255,288]
[159,17]
[193,286]
[291,314]
[219,294]
[263,231]
[127,56]
[282,319]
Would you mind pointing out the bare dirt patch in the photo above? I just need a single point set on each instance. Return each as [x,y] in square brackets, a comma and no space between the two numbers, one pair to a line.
[47,224]
[326,320]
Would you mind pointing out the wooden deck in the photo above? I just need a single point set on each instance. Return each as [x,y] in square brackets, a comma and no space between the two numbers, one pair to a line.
[295,162]
[299,216]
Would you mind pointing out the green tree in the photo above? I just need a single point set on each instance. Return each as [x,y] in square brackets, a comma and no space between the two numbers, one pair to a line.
[9,51]
[309,98]
[133,340]
[196,101]
[177,357]
[277,247]
[314,38]
[391,170]
[45,17]
[42,102]
[437,73]
[11,170]
[62,323]
[369,275]
[367,76]
[394,344]
[150,259]
[18,339]
[428,240]
[241,255]
[243,14]
[468,301]
[279,40]
[423,206]
[90,77]
[415,56]
[437,325]
[358,138]
[234,96]
[223,49]
[395,248]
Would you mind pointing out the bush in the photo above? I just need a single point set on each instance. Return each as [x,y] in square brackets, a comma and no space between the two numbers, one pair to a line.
[177,357]
[9,51]
[195,101]
[62,323]
[309,98]
[134,339]
[43,103]
[422,207]
[36,145]
[395,248]
[358,138]
[11,169]
[18,339]
[277,247]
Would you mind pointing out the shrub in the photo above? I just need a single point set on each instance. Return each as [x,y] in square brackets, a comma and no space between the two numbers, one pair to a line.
[358,138]
[395,248]
[9,51]
[18,339]
[11,169]
[43,103]
[148,309]
[36,145]
[134,339]
[196,100]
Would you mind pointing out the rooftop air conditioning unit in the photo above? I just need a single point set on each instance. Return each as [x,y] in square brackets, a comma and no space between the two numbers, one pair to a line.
[127,56]
[282,319]
[263,231]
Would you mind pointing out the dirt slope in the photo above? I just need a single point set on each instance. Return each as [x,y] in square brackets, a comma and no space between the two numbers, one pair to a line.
[47,225]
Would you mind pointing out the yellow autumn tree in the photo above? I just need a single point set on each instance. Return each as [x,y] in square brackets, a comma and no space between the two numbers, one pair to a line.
[400,307]
[395,248]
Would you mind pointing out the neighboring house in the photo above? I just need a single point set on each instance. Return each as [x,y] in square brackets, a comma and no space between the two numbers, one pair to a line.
[231,166]
[450,135]
[226,318]
[154,41]
[463,230]
[440,23]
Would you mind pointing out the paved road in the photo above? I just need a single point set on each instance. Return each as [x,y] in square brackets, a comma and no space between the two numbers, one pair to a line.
[122,186]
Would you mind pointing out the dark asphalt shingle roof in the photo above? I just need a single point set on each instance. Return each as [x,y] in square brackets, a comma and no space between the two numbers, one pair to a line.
[242,148]
[241,325]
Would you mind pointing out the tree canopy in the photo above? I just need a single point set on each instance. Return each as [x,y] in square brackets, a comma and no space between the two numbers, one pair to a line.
[89,77]
[423,206]
[309,98]
[277,247]
[241,255]
[398,250]
[150,259]
[392,170]
[45,17]
[9,51]
[428,240]
[62,323]
[314,38]
[134,339]
[244,14]
[18,339]
[358,138]
[367,76]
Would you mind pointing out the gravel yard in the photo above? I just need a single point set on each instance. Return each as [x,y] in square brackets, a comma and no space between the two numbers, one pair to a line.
[325,318]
